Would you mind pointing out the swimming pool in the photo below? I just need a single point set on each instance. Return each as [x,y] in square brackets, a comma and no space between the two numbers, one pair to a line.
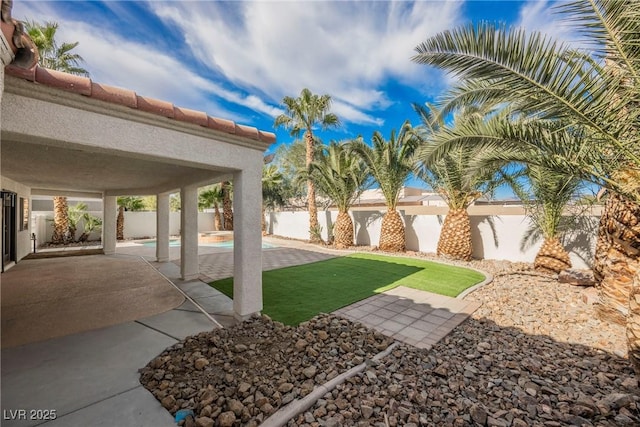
[227,244]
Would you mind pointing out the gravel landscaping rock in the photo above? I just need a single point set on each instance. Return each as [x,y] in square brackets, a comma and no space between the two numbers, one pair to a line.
[534,354]
[241,375]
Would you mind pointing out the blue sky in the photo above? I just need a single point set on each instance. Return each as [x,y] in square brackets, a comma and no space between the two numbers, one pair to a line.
[238,59]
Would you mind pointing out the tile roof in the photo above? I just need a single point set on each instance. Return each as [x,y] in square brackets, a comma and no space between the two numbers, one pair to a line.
[115,95]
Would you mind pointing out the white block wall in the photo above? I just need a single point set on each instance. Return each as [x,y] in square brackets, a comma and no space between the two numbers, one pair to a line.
[494,237]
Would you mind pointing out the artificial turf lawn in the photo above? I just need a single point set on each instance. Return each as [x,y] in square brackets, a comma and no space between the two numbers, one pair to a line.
[294,294]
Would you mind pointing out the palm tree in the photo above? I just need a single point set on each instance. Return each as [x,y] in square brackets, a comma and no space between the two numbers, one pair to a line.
[126,203]
[456,176]
[341,177]
[52,55]
[390,163]
[227,204]
[272,191]
[60,220]
[549,194]
[76,214]
[56,57]
[302,114]
[211,196]
[539,77]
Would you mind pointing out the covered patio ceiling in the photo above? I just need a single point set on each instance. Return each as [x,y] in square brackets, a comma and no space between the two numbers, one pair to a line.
[64,134]
[52,168]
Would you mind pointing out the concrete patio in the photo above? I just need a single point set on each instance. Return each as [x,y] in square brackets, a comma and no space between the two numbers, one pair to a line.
[91,378]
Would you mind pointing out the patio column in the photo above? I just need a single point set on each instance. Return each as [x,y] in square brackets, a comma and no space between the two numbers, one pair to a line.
[162,227]
[109,206]
[247,251]
[189,269]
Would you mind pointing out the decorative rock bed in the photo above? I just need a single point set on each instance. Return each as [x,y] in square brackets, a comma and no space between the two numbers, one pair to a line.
[533,355]
[241,375]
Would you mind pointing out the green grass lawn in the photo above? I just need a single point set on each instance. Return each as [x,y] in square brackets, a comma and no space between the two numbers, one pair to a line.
[294,294]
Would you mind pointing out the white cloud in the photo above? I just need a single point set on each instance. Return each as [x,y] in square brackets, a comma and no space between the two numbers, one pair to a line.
[540,16]
[345,49]
[265,50]
[112,59]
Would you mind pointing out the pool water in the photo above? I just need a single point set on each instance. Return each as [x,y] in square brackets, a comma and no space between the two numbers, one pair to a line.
[228,244]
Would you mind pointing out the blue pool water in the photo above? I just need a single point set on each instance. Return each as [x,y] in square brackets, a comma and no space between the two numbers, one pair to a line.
[228,244]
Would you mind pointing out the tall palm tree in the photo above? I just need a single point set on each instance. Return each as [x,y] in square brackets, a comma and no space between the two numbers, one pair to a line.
[56,57]
[546,79]
[302,114]
[60,220]
[227,204]
[272,191]
[211,196]
[53,55]
[457,176]
[390,163]
[126,203]
[341,177]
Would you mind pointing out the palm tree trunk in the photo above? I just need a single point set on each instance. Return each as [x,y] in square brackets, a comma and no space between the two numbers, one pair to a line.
[217,218]
[120,224]
[633,324]
[621,226]
[60,220]
[314,225]
[455,236]
[343,231]
[227,206]
[552,256]
[392,238]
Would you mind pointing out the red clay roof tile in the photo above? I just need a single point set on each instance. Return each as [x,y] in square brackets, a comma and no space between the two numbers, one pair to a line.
[66,81]
[247,132]
[155,106]
[115,95]
[222,125]
[23,73]
[126,97]
[191,116]
[267,136]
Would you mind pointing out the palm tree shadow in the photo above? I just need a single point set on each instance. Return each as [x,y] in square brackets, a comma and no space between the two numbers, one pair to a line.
[363,220]
[411,237]
[476,235]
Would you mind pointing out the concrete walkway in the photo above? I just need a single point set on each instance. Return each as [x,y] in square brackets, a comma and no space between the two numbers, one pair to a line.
[91,378]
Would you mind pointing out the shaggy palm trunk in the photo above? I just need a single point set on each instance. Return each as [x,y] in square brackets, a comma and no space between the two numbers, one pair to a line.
[217,218]
[314,225]
[227,206]
[621,226]
[120,224]
[264,220]
[60,220]
[392,238]
[552,256]
[343,231]
[633,323]
[455,237]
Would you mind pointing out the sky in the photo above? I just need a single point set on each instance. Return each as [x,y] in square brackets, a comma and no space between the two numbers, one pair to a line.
[238,59]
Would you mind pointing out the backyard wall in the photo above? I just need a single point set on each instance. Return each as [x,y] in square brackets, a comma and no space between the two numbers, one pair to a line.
[137,225]
[499,237]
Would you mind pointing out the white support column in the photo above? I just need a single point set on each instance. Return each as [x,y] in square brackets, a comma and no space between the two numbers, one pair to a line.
[110,206]
[162,227]
[247,252]
[189,269]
